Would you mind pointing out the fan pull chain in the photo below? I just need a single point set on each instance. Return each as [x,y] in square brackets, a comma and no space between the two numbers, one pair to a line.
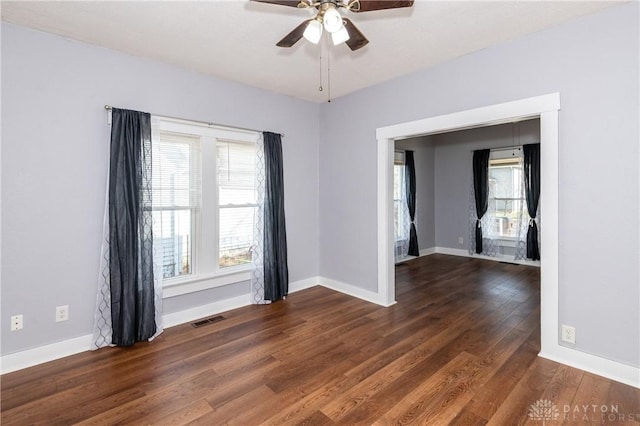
[320,89]
[329,77]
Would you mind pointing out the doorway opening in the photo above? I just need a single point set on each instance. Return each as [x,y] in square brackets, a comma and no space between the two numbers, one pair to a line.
[545,108]
[437,197]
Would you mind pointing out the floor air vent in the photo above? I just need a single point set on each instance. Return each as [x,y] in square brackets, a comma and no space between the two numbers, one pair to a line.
[207,321]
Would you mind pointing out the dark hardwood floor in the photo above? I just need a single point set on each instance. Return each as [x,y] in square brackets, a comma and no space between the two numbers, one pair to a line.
[459,347]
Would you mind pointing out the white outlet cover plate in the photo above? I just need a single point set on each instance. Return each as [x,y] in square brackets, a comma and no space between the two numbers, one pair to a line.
[568,334]
[62,313]
[16,322]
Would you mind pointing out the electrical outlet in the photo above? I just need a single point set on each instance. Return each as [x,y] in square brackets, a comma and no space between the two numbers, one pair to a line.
[460,240]
[62,313]
[568,334]
[16,322]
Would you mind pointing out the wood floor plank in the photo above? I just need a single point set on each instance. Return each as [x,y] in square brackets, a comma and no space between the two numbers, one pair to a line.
[515,408]
[496,390]
[592,393]
[624,403]
[563,387]
[154,407]
[435,400]
[459,347]
[304,403]
[468,418]
[185,415]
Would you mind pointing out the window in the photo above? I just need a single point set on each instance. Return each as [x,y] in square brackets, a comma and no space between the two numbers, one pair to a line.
[236,201]
[176,199]
[506,196]
[401,232]
[204,201]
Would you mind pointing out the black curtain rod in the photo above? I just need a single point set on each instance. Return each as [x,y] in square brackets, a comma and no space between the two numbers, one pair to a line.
[109,108]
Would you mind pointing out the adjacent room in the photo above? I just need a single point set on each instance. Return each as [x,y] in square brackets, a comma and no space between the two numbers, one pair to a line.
[320,212]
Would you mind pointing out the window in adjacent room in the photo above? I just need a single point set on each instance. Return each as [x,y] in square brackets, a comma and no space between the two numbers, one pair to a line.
[204,199]
[506,195]
[401,232]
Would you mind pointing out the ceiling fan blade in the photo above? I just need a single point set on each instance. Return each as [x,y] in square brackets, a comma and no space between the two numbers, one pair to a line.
[295,35]
[290,3]
[370,5]
[356,40]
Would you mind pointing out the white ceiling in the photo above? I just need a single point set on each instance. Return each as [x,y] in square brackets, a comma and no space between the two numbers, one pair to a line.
[235,39]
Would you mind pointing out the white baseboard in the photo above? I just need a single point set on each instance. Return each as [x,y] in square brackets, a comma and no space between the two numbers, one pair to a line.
[499,258]
[427,251]
[358,292]
[423,252]
[192,314]
[41,354]
[304,284]
[46,353]
[613,370]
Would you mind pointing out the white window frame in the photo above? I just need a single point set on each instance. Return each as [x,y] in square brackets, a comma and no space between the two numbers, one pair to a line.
[237,268]
[206,274]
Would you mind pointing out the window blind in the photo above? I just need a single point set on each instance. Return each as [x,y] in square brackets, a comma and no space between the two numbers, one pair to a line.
[176,171]
[236,199]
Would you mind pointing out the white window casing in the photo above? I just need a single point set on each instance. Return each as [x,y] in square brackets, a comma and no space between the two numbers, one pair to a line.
[208,194]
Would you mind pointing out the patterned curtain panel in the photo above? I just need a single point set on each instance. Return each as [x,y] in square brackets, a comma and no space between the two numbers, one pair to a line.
[257,257]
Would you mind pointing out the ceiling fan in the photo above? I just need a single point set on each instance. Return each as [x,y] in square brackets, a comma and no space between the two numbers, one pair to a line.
[329,18]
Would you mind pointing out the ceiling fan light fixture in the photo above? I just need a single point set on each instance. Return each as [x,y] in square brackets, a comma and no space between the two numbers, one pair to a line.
[332,20]
[340,36]
[313,32]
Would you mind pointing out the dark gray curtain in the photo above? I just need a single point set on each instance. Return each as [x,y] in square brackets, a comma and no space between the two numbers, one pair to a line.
[480,190]
[532,193]
[276,272]
[410,190]
[130,228]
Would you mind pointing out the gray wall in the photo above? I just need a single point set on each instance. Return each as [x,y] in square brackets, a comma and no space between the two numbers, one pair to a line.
[423,155]
[593,63]
[453,174]
[55,148]
[55,143]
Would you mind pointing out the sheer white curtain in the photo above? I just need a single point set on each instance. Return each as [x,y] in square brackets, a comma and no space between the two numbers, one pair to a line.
[487,222]
[490,246]
[158,254]
[402,220]
[505,223]
[521,220]
[524,219]
[257,273]
[102,330]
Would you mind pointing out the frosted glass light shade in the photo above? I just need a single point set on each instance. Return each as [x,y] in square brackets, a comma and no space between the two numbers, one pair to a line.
[340,36]
[313,32]
[332,20]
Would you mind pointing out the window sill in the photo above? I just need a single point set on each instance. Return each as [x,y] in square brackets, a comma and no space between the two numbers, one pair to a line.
[506,241]
[204,282]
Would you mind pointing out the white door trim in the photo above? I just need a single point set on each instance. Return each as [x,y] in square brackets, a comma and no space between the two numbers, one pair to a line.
[545,108]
